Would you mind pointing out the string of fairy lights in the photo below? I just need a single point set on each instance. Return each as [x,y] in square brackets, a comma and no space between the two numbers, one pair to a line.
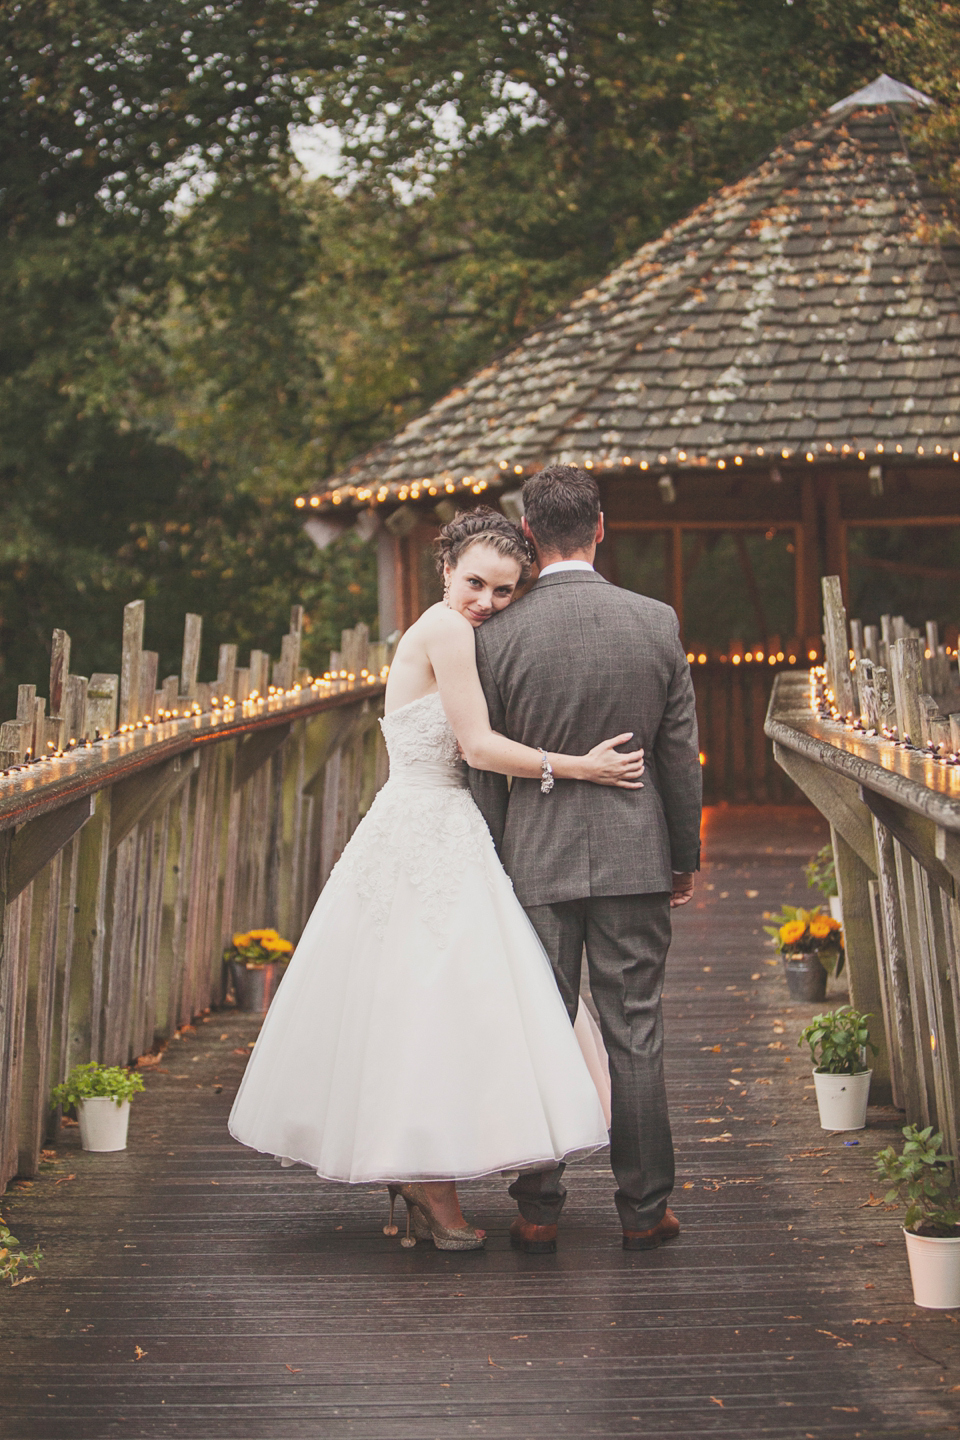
[223,712]
[436,487]
[823,703]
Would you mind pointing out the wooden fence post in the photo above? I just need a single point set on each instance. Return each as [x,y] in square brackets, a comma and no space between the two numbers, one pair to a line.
[837,647]
[133,619]
[190,664]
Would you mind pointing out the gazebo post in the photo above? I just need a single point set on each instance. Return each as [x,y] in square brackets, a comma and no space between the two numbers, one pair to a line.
[389,583]
[808,586]
[836,560]
[676,572]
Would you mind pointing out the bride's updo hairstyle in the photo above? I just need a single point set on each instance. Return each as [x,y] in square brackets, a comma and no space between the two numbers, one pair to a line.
[488,527]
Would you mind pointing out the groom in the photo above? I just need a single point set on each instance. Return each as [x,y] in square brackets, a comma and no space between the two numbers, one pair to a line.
[576,661]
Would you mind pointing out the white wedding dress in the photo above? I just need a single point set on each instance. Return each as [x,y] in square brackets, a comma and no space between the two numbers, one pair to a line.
[418,1033]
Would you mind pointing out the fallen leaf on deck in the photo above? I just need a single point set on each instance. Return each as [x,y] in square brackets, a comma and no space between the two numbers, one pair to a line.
[716,1401]
[63,1178]
[292,1370]
[145,1061]
[688,1185]
[751,894]
[712,1139]
[239,1052]
[138,1353]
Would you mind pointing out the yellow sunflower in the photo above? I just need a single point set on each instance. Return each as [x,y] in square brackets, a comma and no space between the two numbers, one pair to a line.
[821,926]
[791,932]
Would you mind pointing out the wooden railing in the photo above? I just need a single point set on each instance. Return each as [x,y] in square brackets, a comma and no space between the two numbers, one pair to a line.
[873,739]
[141,825]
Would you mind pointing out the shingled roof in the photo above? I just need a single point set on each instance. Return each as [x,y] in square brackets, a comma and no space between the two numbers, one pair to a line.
[807,307]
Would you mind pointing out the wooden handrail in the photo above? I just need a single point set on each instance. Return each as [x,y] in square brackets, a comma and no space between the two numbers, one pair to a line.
[129,856]
[892,798]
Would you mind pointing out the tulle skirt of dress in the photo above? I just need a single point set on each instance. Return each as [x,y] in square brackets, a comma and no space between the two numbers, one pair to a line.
[418,1033]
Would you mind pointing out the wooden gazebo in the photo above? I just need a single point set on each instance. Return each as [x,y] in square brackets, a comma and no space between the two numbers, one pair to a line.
[781,369]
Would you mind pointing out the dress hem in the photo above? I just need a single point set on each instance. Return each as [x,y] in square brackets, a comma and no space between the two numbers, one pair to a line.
[541,1162]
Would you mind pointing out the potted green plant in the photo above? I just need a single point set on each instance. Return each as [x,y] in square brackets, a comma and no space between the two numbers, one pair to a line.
[921,1178]
[255,960]
[839,1041]
[101,1095]
[811,944]
[821,874]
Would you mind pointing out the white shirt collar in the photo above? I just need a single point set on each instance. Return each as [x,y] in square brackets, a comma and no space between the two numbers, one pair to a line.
[559,565]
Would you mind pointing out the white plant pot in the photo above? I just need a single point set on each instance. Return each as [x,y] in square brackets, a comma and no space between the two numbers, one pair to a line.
[842,1100]
[835,911]
[103,1123]
[934,1270]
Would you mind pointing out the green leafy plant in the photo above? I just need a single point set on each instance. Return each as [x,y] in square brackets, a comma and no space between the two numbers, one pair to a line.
[839,1041]
[921,1177]
[94,1082]
[13,1257]
[821,873]
[808,932]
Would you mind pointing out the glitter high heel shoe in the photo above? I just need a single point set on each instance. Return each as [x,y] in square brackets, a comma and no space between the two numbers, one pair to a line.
[420,1213]
[415,1221]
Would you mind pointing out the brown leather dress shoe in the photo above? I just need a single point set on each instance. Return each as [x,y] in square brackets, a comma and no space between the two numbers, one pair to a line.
[533,1239]
[667,1229]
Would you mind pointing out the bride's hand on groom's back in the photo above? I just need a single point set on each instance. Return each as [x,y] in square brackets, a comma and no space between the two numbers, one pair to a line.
[605,765]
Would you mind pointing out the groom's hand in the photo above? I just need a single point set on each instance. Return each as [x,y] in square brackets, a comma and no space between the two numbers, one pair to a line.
[682,892]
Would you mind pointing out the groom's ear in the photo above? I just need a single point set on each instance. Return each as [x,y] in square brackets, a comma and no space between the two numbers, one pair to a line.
[525,527]
[599,535]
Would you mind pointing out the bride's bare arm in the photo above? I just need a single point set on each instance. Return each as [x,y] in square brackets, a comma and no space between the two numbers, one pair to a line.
[449,641]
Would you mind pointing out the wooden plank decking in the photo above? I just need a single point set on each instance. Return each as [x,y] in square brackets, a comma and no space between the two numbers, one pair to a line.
[265,1305]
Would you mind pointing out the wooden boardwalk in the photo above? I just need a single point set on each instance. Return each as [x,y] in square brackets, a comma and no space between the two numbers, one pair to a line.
[193,1289]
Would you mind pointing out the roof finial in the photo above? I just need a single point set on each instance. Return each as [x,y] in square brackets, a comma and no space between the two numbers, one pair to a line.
[883,91]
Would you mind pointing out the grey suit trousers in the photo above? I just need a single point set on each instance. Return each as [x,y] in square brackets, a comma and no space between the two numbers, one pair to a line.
[626,939]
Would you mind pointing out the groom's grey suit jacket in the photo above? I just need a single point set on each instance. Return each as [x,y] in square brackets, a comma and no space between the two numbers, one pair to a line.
[577,661]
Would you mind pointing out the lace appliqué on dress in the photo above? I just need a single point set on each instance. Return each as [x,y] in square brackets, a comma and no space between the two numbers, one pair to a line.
[420,731]
[426,835]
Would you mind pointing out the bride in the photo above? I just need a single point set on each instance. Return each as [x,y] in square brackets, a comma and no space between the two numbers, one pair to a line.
[418,1036]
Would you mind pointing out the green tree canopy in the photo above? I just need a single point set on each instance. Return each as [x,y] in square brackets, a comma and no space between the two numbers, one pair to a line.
[193,331]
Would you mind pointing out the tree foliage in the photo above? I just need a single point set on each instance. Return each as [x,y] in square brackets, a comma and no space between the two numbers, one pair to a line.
[193,331]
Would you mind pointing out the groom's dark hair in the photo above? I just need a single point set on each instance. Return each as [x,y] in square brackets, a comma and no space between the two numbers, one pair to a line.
[562,507]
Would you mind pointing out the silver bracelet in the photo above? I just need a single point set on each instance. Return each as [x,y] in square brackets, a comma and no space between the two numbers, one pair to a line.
[546,774]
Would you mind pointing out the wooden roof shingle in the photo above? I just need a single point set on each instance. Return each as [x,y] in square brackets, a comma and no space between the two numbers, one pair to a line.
[809,306]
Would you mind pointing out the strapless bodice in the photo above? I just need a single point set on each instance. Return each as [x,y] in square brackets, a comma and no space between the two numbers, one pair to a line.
[422,747]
